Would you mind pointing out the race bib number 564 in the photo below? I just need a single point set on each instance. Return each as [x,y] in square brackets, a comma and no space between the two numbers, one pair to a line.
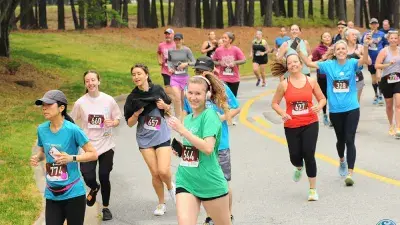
[190,156]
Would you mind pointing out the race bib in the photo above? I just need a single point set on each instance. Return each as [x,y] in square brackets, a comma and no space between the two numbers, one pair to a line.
[228,71]
[341,86]
[258,53]
[393,78]
[56,172]
[95,121]
[300,108]
[190,156]
[152,122]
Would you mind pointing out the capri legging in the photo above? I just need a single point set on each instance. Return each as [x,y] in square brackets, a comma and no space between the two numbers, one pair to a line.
[234,87]
[323,85]
[72,210]
[302,142]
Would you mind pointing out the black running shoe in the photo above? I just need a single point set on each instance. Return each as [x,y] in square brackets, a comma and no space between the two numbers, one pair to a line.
[208,221]
[91,197]
[107,214]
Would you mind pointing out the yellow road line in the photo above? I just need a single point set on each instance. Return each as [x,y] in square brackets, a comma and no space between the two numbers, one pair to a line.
[261,121]
[243,119]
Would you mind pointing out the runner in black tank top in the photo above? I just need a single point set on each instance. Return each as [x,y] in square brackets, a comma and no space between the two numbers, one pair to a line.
[259,52]
[209,46]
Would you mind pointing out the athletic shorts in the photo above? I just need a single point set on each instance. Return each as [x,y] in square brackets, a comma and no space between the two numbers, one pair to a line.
[183,190]
[164,144]
[371,69]
[179,81]
[167,79]
[224,158]
[260,60]
[389,89]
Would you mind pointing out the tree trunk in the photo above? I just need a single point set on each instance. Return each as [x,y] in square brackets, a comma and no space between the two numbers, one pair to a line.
[116,5]
[322,8]
[146,7]
[192,13]
[220,14]
[342,12]
[169,12]
[206,14]
[310,9]
[337,8]
[262,7]
[26,12]
[385,11]
[95,14]
[396,15]
[162,13]
[250,16]
[231,16]
[81,12]
[125,15]
[36,16]
[179,17]
[300,9]
[141,21]
[60,14]
[357,11]
[275,6]
[153,16]
[361,13]
[282,8]
[331,9]
[268,14]
[373,8]
[198,13]
[239,12]
[7,10]
[13,22]
[42,15]
[74,17]
[213,16]
[290,8]
[366,16]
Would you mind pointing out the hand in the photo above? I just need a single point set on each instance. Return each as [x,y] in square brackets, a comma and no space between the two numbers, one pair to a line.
[368,39]
[171,70]
[286,117]
[176,125]
[378,77]
[109,123]
[161,104]
[358,53]
[222,63]
[262,53]
[392,62]
[63,158]
[232,64]
[34,160]
[175,153]
[137,113]
[182,66]
[316,108]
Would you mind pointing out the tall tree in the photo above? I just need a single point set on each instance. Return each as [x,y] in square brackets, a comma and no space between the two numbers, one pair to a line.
[7,8]
[268,14]
[373,8]
[206,14]
[250,14]
[60,15]
[81,12]
[300,9]
[27,20]
[162,13]
[192,13]
[13,22]
[310,9]
[231,16]
[337,8]
[95,14]
[147,12]
[290,8]
[141,21]
[385,11]
[179,14]
[361,13]
[153,15]
[239,12]
[125,16]
[357,11]
[331,9]
[282,8]
[220,14]
[116,5]
[198,13]
[213,14]
[366,16]
[262,7]
[36,16]
[275,6]
[169,12]
[342,12]
[322,8]
[74,17]
[396,14]
[42,14]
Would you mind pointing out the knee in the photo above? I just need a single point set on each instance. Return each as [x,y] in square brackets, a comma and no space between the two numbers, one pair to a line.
[163,174]
[104,177]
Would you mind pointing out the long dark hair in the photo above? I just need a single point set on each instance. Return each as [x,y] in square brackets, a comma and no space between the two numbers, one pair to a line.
[64,112]
[144,68]
[86,73]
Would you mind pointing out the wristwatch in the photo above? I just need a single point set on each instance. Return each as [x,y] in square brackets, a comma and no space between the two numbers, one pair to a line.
[74,158]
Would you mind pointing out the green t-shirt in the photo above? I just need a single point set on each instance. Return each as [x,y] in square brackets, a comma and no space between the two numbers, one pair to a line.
[207,179]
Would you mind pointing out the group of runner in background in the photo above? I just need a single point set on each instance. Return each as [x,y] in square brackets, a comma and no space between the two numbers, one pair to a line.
[200,109]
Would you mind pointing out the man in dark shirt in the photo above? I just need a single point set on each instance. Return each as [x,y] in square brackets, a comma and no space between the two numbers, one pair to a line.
[340,25]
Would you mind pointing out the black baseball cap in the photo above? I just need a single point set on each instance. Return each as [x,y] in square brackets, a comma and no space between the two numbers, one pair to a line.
[204,63]
[51,97]
[178,36]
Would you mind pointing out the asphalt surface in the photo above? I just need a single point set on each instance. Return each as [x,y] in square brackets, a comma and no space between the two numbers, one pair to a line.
[263,190]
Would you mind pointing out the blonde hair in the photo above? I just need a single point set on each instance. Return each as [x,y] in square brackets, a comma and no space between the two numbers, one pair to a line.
[218,95]
[330,54]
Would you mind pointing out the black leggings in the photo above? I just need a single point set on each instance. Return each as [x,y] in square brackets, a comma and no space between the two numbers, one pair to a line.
[323,85]
[72,209]
[88,170]
[345,125]
[234,87]
[302,142]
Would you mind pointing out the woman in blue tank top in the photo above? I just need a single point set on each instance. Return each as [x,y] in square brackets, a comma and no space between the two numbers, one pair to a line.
[344,110]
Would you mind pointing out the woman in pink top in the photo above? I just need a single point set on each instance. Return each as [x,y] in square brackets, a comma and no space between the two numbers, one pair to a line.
[227,58]
[98,114]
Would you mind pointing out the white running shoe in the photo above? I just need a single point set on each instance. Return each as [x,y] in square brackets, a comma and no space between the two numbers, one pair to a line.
[160,210]
[172,192]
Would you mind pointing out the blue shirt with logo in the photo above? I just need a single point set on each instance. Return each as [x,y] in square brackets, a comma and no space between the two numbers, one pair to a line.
[233,104]
[341,99]
[68,139]
[379,41]
[280,40]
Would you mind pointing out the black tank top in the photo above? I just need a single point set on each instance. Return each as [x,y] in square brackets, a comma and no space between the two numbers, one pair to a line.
[211,52]
[359,74]
[258,47]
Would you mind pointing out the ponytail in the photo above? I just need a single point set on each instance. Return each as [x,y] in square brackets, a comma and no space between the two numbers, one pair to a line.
[64,112]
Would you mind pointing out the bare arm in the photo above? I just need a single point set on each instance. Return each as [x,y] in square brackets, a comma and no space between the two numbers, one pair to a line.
[369,58]
[89,155]
[132,120]
[276,100]
[307,60]
[232,113]
[160,59]
[379,60]
[282,51]
[204,48]
[205,145]
[364,57]
[309,53]
[319,95]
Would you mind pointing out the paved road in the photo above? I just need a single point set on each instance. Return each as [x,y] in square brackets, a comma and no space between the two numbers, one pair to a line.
[263,190]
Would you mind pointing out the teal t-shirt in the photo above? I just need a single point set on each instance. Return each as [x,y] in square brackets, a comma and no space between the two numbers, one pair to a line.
[68,139]
[207,179]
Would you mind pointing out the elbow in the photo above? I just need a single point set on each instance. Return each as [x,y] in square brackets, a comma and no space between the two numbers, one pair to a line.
[209,150]
[94,156]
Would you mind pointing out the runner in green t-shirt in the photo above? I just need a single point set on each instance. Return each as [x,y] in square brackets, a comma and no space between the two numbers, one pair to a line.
[199,178]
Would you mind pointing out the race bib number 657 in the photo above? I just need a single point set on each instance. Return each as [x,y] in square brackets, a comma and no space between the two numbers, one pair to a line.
[152,122]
